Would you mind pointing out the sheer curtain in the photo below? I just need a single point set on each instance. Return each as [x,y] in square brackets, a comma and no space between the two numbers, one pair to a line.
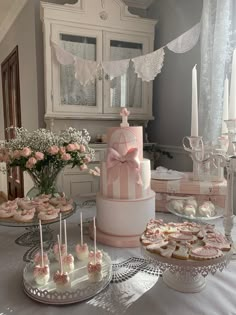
[217,43]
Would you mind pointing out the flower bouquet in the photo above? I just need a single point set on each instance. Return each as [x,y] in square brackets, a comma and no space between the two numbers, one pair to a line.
[43,154]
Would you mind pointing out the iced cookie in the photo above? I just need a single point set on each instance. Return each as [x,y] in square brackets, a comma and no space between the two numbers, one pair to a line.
[167,250]
[181,237]
[182,251]
[155,248]
[205,252]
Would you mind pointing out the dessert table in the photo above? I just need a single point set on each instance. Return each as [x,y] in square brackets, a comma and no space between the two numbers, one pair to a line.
[136,288]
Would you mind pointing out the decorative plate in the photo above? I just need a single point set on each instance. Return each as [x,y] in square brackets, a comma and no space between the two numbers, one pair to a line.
[166,176]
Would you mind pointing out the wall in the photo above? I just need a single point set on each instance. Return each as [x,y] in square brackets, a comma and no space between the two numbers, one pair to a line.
[172,88]
[22,34]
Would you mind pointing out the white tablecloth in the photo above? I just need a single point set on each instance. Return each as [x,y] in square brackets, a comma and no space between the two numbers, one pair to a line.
[218,297]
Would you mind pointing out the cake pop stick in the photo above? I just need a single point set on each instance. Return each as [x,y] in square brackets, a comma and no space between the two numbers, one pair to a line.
[94,238]
[59,250]
[41,242]
[65,233]
[60,232]
[81,229]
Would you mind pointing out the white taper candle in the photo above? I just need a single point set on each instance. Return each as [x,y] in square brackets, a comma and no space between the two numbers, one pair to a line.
[225,106]
[81,229]
[60,258]
[65,236]
[232,100]
[41,242]
[194,115]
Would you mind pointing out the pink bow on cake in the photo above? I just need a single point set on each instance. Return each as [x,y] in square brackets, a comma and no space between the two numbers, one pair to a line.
[115,160]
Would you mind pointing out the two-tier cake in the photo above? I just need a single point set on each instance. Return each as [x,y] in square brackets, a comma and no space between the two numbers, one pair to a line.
[125,202]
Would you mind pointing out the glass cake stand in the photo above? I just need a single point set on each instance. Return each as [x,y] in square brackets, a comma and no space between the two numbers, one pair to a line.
[81,288]
[31,236]
[219,212]
[187,276]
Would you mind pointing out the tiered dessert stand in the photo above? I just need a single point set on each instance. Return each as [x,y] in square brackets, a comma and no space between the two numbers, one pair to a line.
[81,288]
[187,276]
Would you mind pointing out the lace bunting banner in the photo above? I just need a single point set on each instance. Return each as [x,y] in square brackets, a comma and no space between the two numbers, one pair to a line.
[85,70]
[186,41]
[147,66]
[116,68]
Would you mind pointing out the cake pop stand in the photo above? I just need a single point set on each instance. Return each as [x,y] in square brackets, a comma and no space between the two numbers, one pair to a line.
[81,288]
[187,276]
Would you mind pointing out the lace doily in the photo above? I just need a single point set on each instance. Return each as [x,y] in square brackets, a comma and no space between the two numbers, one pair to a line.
[116,68]
[85,70]
[63,57]
[186,41]
[148,66]
[131,279]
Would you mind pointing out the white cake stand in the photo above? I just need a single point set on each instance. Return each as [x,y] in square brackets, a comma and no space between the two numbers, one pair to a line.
[187,276]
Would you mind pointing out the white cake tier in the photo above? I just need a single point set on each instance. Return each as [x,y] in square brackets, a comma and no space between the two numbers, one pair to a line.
[122,182]
[124,217]
[123,139]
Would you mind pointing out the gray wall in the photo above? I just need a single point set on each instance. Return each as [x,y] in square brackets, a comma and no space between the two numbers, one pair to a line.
[172,88]
[22,34]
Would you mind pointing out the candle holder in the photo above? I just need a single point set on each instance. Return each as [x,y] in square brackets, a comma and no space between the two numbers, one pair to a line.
[219,157]
[231,126]
[204,168]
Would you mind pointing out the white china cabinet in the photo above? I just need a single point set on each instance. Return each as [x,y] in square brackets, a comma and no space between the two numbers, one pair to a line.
[97,30]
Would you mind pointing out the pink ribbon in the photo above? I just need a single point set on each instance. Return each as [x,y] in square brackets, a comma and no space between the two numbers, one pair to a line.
[115,161]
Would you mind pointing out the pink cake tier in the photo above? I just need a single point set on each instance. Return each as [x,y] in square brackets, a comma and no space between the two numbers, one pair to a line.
[122,139]
[124,217]
[128,185]
[125,202]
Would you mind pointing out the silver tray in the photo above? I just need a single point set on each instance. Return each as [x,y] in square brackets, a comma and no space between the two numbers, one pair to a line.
[81,288]
[219,212]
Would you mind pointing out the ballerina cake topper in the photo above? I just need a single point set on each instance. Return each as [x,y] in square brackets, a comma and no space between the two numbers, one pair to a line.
[124,113]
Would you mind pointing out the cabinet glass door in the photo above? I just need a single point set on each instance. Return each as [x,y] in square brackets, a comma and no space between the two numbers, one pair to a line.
[127,90]
[72,92]
[68,92]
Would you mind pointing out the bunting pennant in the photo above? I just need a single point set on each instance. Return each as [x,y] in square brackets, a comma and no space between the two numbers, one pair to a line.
[147,67]
[186,41]
[116,68]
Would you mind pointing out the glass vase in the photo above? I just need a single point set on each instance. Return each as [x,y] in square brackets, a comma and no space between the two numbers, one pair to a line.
[44,183]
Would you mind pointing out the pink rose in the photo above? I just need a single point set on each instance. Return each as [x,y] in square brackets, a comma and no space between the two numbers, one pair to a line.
[87,158]
[82,148]
[32,160]
[39,156]
[77,146]
[71,147]
[26,152]
[53,150]
[83,167]
[16,154]
[62,150]
[66,157]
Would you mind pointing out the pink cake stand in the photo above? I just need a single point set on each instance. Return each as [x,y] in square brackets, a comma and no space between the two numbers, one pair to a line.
[114,240]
